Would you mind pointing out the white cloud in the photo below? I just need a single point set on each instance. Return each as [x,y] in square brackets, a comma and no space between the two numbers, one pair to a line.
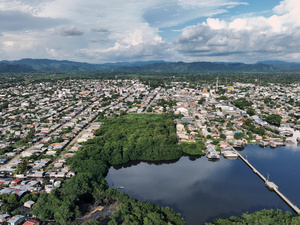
[287,7]
[171,13]
[16,48]
[216,24]
[26,6]
[211,3]
[288,12]
[253,38]
[8,43]
[52,52]
[128,52]
[239,24]
[100,31]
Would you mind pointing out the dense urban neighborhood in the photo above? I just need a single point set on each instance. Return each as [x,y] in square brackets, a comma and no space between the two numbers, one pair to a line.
[149,112]
[45,123]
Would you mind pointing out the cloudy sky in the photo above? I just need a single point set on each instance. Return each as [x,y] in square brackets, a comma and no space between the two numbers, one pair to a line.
[99,31]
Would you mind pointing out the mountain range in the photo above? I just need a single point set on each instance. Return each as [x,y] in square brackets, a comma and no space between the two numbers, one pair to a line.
[55,66]
[281,63]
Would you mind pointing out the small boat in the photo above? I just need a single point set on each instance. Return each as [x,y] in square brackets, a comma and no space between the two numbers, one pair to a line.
[225,150]
[120,187]
[230,155]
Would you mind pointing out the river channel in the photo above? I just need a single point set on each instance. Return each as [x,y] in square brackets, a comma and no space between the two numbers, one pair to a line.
[203,190]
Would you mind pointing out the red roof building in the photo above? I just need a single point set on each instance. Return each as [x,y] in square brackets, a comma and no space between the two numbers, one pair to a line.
[32,222]
[16,181]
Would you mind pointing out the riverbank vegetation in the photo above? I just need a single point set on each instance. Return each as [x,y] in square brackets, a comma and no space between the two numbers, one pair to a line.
[261,217]
[119,140]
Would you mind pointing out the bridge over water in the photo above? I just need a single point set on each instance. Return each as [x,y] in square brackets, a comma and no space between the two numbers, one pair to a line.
[270,185]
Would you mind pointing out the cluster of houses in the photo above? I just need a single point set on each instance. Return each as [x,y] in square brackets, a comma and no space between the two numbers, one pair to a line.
[59,132]
[213,115]
[17,219]
[56,118]
[20,187]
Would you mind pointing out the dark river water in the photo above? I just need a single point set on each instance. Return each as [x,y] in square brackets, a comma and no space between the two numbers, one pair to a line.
[202,190]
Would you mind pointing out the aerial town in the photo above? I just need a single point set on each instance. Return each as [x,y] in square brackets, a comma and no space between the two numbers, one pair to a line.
[43,124]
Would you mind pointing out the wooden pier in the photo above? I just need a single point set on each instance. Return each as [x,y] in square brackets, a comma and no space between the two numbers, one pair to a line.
[270,185]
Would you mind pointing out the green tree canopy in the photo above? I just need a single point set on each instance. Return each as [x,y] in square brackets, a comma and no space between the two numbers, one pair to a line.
[274,119]
[238,135]
[242,103]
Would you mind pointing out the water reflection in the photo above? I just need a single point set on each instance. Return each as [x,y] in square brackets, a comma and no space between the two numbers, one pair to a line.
[136,162]
[295,146]
[202,191]
[256,152]
[282,164]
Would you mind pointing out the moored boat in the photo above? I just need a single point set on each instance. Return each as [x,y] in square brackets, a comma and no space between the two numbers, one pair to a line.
[230,155]
[225,150]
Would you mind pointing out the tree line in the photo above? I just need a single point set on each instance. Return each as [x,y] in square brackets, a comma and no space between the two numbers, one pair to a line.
[261,217]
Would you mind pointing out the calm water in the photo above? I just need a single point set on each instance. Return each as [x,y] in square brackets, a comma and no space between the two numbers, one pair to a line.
[202,190]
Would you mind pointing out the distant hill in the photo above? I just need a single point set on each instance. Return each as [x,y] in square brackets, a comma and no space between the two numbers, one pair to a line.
[198,67]
[132,64]
[281,63]
[48,65]
[64,66]
[19,68]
